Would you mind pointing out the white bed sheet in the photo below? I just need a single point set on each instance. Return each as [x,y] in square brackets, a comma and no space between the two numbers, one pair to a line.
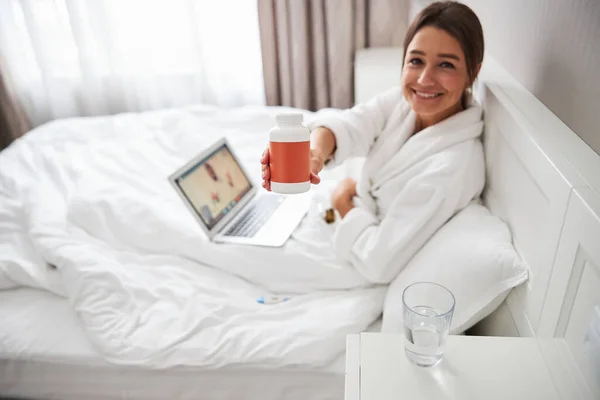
[91,197]
[44,353]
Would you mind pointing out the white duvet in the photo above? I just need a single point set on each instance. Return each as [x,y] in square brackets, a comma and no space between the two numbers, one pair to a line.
[86,212]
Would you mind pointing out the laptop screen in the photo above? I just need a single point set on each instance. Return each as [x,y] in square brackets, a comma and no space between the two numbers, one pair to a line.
[214,185]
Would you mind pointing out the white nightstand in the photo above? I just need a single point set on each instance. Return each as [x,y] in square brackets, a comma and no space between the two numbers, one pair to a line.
[474,367]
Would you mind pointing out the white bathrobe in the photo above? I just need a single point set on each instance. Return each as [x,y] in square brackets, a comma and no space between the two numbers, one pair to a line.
[410,185]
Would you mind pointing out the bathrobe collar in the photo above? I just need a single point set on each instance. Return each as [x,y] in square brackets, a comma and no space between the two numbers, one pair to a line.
[404,149]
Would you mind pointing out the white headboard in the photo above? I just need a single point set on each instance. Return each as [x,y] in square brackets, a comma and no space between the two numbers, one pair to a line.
[544,182]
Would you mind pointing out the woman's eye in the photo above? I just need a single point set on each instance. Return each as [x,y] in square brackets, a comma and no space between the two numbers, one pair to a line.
[446,64]
[415,61]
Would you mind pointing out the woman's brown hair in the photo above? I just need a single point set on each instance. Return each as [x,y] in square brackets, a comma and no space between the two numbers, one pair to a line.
[460,22]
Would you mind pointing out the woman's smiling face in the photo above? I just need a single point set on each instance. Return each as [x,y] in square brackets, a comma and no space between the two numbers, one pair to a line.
[434,75]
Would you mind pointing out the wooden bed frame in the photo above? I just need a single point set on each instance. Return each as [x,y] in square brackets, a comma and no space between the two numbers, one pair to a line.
[544,182]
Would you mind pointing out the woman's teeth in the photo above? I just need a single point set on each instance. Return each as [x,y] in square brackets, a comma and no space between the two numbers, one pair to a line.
[427,95]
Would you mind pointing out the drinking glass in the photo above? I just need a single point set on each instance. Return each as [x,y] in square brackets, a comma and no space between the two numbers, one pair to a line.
[427,309]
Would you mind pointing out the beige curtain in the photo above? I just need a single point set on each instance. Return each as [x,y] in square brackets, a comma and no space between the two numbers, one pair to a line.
[308,46]
[13,121]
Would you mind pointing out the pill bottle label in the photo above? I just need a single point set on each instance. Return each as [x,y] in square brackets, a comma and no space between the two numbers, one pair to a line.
[290,162]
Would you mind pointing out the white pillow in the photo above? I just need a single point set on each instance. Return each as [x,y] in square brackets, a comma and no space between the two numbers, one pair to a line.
[471,255]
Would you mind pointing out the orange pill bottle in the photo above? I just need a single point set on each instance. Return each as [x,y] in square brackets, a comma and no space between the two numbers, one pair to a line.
[289,148]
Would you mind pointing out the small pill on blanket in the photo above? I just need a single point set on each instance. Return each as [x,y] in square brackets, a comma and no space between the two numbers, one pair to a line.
[271,299]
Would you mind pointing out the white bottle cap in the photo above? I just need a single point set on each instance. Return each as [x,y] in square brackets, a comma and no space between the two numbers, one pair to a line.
[289,118]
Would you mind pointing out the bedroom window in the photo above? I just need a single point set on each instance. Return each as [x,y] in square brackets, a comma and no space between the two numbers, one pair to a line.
[95,57]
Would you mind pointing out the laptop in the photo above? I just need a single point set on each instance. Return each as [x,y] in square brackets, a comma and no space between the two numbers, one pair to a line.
[229,207]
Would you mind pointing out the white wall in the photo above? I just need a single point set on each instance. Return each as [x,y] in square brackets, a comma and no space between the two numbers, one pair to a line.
[553,48]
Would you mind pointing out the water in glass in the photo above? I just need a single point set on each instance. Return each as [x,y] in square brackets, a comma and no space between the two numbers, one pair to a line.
[428,310]
[425,338]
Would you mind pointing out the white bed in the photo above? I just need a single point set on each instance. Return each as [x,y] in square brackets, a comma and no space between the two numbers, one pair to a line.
[537,169]
[45,350]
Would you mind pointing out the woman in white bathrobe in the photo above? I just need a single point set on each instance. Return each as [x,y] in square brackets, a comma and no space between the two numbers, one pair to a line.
[423,163]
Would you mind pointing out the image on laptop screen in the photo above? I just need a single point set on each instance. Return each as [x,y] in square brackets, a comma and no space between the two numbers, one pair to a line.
[214,185]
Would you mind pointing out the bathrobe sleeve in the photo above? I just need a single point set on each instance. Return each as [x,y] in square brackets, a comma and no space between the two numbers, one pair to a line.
[379,250]
[356,128]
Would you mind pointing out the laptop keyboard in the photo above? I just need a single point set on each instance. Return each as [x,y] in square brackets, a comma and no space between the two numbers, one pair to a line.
[255,217]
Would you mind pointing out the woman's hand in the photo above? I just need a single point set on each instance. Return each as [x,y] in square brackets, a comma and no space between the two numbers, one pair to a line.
[317,161]
[342,196]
